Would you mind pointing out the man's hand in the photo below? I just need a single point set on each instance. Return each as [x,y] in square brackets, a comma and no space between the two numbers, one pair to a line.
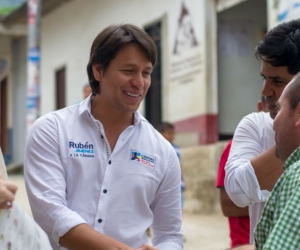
[147,247]
[7,193]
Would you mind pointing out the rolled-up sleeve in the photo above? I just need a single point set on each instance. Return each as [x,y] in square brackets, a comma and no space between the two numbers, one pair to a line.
[166,207]
[45,180]
[241,183]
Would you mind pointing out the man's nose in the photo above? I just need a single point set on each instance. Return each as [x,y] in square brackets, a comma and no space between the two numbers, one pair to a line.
[138,80]
[267,89]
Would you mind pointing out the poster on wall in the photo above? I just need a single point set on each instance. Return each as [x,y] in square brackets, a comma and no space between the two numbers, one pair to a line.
[186,57]
[288,10]
[186,72]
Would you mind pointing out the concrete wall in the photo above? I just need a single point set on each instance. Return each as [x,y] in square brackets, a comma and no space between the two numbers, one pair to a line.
[239,80]
[199,168]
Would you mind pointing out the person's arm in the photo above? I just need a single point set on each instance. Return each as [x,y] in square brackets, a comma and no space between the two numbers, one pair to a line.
[166,207]
[267,168]
[45,181]
[85,237]
[241,182]
[7,193]
[229,209]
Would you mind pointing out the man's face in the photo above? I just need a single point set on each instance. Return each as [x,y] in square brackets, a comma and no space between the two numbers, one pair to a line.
[274,81]
[126,80]
[284,127]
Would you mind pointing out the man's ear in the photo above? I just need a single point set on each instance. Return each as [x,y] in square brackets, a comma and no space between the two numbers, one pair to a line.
[97,72]
[260,106]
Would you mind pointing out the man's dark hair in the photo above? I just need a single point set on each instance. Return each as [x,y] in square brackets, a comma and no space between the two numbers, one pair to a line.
[108,43]
[164,126]
[281,46]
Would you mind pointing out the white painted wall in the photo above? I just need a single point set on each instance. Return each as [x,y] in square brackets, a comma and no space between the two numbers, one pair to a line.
[68,32]
[239,30]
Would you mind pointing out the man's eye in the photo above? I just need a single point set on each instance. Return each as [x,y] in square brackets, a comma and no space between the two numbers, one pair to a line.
[279,82]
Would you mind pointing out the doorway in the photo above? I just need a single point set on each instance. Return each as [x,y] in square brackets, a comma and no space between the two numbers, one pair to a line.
[239,80]
[153,102]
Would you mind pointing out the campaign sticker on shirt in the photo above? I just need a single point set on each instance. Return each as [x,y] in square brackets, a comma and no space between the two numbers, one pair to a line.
[81,150]
[142,158]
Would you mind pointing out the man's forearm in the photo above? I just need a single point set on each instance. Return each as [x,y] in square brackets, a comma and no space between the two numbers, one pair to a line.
[267,168]
[85,237]
[229,209]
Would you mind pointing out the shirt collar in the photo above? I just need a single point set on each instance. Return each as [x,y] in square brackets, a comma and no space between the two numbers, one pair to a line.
[85,106]
[294,157]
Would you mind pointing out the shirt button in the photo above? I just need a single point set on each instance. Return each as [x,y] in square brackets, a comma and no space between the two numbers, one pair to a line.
[102,136]
[99,220]
[105,191]
[109,162]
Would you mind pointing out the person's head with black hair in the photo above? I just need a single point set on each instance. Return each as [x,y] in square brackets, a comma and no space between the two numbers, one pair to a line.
[279,51]
[110,41]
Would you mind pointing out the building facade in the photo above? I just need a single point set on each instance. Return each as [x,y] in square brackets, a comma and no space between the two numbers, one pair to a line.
[207,77]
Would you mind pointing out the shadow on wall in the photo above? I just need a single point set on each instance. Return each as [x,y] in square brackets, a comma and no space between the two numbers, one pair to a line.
[199,168]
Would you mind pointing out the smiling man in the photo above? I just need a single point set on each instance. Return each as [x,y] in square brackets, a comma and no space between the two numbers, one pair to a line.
[85,188]
[252,168]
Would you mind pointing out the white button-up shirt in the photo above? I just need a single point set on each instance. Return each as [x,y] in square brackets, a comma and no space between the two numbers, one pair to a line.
[253,136]
[72,177]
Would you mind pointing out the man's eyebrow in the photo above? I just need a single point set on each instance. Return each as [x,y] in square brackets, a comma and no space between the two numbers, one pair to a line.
[274,77]
[278,78]
[134,65]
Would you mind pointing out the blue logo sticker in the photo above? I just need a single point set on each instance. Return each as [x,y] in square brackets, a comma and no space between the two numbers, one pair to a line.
[142,158]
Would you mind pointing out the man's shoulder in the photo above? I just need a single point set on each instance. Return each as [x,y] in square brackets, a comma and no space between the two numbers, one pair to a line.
[54,116]
[259,116]
[257,121]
